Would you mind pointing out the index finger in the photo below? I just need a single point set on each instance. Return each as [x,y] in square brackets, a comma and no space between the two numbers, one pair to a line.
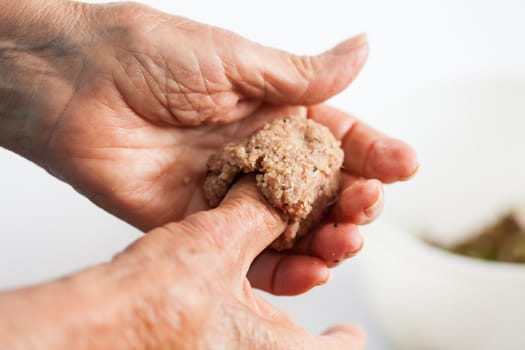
[243,224]
[368,152]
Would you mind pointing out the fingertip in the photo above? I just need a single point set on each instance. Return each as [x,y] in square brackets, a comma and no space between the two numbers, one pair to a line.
[333,243]
[391,160]
[287,79]
[372,211]
[345,337]
[327,277]
[359,41]
[287,274]
[250,221]
[298,274]
[331,72]
[355,330]
[344,62]
[345,242]
[412,174]
[360,202]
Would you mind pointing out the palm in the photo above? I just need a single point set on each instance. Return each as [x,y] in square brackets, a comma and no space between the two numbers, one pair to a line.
[145,173]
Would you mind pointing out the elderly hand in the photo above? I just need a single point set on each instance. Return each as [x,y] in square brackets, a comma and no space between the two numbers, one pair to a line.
[126,104]
[182,286]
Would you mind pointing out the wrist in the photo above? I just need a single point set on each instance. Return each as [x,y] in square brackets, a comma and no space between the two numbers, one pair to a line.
[37,45]
[99,308]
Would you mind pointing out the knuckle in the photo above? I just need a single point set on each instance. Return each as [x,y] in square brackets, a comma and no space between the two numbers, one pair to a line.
[149,248]
[128,12]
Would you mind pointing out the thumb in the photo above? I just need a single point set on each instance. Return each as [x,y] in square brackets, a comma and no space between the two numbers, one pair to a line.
[342,337]
[278,77]
[242,226]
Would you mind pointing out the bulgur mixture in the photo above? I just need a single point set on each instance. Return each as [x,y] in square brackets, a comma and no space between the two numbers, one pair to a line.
[297,164]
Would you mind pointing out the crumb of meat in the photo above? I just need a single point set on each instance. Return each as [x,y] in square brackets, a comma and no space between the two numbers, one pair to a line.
[297,164]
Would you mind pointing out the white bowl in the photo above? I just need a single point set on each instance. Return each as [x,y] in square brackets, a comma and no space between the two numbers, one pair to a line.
[471,140]
[427,298]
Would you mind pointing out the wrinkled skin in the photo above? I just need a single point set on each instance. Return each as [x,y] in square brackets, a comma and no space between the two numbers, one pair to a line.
[122,135]
[175,288]
[126,104]
[235,317]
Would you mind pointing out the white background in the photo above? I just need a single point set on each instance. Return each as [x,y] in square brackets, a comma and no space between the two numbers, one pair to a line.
[48,230]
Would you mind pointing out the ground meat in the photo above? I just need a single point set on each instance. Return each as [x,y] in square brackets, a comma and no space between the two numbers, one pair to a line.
[297,164]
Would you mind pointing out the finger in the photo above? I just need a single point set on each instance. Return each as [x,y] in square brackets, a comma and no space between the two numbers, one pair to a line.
[242,226]
[331,242]
[340,337]
[279,77]
[368,153]
[271,313]
[265,114]
[348,337]
[360,201]
[287,274]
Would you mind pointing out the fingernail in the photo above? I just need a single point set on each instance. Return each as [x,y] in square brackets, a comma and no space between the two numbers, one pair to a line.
[358,41]
[411,174]
[372,210]
[358,242]
[327,276]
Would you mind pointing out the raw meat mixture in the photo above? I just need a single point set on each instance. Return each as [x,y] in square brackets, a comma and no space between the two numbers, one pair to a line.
[297,164]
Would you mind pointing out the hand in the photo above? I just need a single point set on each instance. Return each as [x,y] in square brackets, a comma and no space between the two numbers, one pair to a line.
[217,247]
[182,286]
[127,104]
[155,95]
